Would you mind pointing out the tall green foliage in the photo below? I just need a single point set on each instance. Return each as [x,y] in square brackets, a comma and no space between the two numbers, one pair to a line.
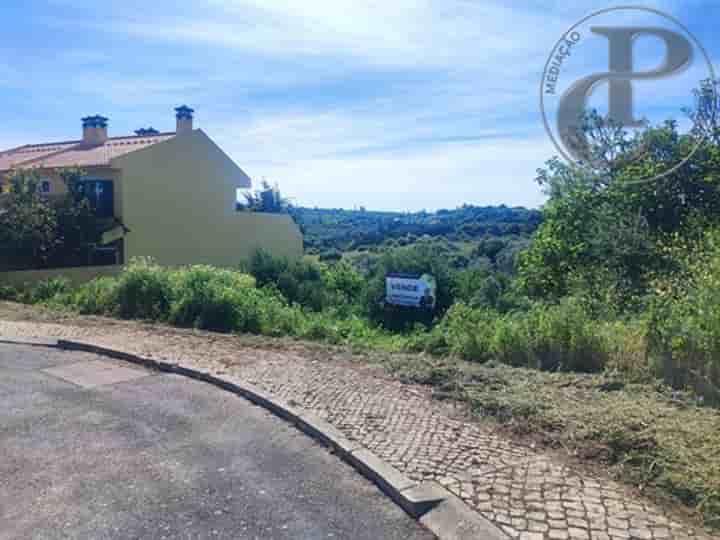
[39,230]
[266,199]
[684,319]
[28,221]
[603,232]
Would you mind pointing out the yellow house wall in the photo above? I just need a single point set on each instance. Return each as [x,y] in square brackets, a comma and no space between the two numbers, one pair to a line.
[179,204]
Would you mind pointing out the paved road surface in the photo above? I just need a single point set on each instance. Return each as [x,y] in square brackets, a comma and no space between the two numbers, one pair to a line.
[90,449]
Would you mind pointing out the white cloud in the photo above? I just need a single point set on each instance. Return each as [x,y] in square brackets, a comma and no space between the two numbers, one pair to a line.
[332,159]
[407,33]
[277,138]
[443,176]
[344,102]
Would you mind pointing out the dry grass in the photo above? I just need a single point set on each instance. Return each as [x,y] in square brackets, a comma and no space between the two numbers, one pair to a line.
[657,439]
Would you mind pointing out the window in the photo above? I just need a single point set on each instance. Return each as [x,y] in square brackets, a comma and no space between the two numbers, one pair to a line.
[45,186]
[100,194]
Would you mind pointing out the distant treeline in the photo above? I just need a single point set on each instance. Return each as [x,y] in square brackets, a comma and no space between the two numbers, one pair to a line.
[347,230]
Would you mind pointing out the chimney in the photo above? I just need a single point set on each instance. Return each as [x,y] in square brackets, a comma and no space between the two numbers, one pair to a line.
[95,129]
[184,115]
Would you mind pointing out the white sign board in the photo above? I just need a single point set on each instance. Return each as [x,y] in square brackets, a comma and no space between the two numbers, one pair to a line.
[410,291]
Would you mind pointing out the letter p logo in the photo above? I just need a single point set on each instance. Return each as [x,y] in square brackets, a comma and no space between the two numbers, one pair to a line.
[572,104]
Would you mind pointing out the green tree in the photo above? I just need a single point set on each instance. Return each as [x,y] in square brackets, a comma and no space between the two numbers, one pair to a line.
[37,230]
[603,229]
[78,226]
[28,220]
[266,199]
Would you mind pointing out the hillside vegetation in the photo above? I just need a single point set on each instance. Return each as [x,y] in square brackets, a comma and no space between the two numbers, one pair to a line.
[349,230]
[599,330]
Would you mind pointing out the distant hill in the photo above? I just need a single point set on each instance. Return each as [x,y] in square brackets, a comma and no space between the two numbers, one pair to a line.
[349,230]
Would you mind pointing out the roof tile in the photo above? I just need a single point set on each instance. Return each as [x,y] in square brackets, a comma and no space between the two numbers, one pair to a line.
[76,153]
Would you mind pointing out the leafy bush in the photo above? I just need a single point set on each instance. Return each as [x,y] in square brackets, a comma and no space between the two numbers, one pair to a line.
[548,337]
[684,322]
[208,298]
[353,331]
[144,291]
[627,349]
[332,255]
[558,337]
[469,286]
[8,293]
[466,332]
[199,296]
[299,281]
[97,297]
[266,199]
[344,287]
[45,290]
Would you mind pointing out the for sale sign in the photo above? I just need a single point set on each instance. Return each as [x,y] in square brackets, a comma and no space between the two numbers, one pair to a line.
[418,291]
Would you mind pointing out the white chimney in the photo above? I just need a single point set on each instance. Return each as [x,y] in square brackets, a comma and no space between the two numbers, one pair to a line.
[184,116]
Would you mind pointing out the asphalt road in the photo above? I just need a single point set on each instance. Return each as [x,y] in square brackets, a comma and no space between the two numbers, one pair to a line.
[160,456]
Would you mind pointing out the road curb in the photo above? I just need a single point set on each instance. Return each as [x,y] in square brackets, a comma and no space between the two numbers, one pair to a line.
[30,342]
[444,514]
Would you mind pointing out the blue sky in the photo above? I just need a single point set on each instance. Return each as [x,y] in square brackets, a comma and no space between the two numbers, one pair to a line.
[404,105]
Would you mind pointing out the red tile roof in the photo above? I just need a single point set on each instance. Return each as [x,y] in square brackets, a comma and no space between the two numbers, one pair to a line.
[76,153]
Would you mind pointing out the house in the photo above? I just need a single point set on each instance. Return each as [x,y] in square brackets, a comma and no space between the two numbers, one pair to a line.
[169,196]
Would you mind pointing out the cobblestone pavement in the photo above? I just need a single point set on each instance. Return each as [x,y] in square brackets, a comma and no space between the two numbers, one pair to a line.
[529,494]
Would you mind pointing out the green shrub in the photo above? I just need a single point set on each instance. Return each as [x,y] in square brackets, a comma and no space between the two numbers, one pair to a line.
[558,337]
[344,289]
[46,290]
[332,255]
[228,301]
[299,281]
[684,322]
[469,285]
[97,297]
[430,341]
[548,337]
[207,297]
[144,291]
[627,349]
[8,293]
[467,332]
[276,318]
[266,268]
[200,299]
[353,331]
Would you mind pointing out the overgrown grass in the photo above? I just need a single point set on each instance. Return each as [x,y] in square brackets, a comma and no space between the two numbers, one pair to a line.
[560,337]
[213,299]
[684,319]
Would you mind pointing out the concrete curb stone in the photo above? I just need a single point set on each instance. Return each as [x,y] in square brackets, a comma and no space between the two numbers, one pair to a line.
[30,342]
